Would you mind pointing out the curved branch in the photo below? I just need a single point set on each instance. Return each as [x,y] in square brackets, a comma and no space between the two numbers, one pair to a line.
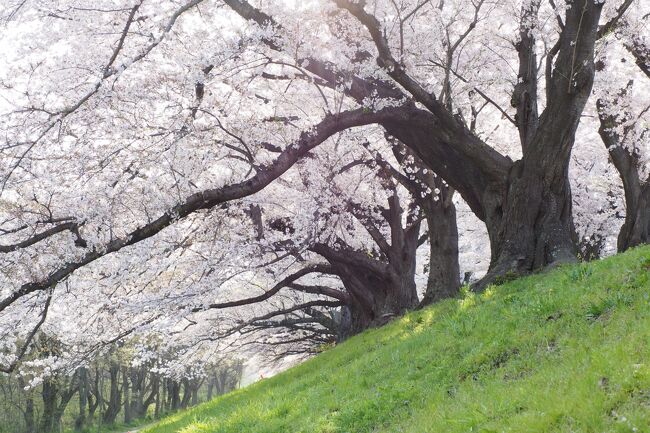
[322,290]
[359,89]
[210,198]
[349,256]
[263,321]
[310,304]
[30,337]
[441,141]
[613,23]
[286,282]
[386,60]
[641,53]
[73,227]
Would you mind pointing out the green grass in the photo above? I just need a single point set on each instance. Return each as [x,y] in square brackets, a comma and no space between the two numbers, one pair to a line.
[563,351]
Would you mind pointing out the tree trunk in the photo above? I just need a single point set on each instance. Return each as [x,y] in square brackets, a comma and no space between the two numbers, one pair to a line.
[443,279]
[157,407]
[49,393]
[210,388]
[93,405]
[435,197]
[533,227]
[55,400]
[165,395]
[115,395]
[80,421]
[376,297]
[174,394]
[187,394]
[66,396]
[126,399]
[383,287]
[153,394]
[526,206]
[28,414]
[636,229]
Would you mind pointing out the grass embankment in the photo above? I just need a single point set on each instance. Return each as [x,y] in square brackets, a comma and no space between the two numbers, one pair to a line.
[563,351]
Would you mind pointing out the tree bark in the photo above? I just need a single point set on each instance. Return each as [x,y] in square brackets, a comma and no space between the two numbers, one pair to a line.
[96,390]
[195,396]
[49,393]
[28,414]
[55,400]
[187,393]
[153,394]
[174,394]
[128,417]
[80,421]
[443,279]
[636,228]
[115,395]
[381,288]
[157,407]
[526,205]
[210,388]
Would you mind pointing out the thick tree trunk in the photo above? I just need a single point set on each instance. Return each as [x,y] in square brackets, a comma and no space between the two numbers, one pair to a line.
[222,381]
[165,395]
[115,396]
[187,393]
[443,280]
[526,206]
[96,390]
[383,287]
[138,378]
[533,227]
[636,229]
[55,400]
[195,396]
[376,296]
[174,394]
[144,404]
[49,394]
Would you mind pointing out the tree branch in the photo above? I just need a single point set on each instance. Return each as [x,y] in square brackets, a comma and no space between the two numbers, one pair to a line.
[210,198]
[319,268]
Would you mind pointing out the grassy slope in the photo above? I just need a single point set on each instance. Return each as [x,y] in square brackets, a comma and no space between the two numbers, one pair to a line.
[564,351]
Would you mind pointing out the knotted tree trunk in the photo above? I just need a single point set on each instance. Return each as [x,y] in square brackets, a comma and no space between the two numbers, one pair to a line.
[379,287]
[626,157]
[525,205]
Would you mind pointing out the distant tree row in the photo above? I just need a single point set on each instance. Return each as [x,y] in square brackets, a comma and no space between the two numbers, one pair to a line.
[108,390]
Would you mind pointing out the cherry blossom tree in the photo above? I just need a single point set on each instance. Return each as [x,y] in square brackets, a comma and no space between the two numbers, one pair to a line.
[624,124]
[162,163]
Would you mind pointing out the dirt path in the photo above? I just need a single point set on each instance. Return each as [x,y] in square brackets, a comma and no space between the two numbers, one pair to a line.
[138,429]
